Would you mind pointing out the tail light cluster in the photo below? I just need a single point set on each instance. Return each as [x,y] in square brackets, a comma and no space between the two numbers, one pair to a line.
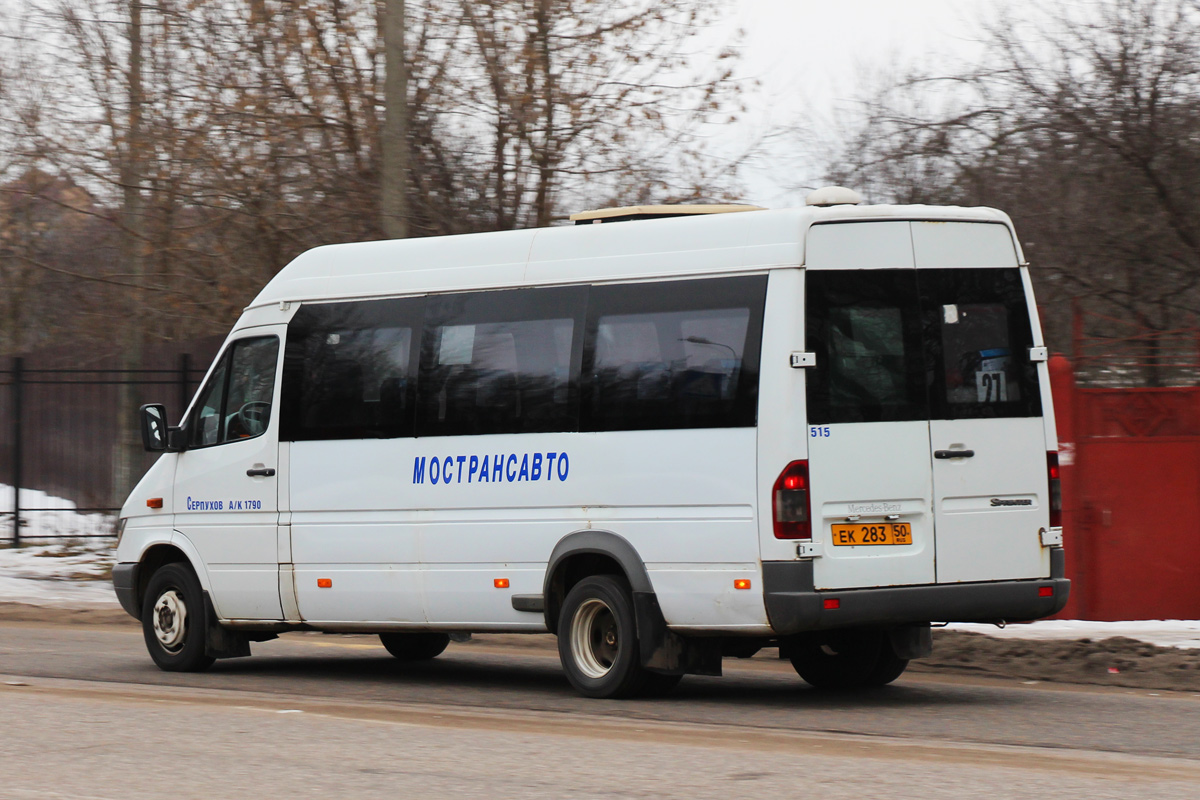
[790,503]
[1055,490]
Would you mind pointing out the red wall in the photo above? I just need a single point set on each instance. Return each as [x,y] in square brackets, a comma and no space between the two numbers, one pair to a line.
[1131,499]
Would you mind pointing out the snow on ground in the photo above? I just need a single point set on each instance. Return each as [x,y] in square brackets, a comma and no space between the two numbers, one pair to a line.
[60,520]
[1181,633]
[70,574]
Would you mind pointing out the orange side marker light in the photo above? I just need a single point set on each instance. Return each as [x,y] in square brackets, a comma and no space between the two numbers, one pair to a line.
[741,583]
[324,583]
[154,502]
[500,583]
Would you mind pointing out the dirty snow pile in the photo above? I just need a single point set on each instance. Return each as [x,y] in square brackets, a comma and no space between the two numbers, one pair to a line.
[1183,633]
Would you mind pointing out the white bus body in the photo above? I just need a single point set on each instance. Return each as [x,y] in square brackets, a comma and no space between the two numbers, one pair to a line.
[664,440]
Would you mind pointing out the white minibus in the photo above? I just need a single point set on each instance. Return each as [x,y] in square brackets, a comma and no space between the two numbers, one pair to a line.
[665,434]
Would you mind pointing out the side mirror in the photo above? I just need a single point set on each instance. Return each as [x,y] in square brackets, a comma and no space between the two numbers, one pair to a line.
[153,419]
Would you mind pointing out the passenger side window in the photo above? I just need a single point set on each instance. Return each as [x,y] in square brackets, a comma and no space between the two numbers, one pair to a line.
[679,354]
[236,401]
[349,370]
[500,362]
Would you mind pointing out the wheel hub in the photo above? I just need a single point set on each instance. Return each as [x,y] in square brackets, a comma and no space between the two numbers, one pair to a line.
[170,620]
[595,638]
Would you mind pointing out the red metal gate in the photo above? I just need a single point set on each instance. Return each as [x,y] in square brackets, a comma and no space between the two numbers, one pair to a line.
[1131,494]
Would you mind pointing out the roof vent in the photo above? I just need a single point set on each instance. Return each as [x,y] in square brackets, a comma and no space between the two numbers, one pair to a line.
[833,196]
[655,212]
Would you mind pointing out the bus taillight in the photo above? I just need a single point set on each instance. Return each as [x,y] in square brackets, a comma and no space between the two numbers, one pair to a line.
[790,504]
[1055,490]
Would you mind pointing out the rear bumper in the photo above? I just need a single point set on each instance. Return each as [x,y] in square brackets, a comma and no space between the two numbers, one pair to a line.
[794,606]
[125,584]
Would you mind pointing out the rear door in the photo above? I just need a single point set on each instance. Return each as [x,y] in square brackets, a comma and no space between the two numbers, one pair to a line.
[986,428]
[926,439]
[868,424]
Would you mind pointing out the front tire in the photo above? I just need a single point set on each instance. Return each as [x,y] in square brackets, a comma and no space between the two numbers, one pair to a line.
[597,639]
[415,646]
[173,620]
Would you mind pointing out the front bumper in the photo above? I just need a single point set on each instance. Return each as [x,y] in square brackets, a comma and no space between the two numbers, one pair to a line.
[125,584]
[794,606]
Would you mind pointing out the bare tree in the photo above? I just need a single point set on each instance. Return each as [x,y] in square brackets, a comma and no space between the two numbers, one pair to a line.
[217,139]
[1082,123]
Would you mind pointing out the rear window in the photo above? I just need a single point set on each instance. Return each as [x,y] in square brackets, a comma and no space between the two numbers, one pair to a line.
[978,325]
[904,344]
[865,327]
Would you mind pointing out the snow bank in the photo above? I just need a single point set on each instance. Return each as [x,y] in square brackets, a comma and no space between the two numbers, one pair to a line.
[73,574]
[1162,632]
[62,521]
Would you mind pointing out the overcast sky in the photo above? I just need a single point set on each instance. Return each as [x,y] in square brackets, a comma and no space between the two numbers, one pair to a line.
[812,57]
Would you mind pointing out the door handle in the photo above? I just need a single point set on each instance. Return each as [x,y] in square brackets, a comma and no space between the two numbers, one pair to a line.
[953,453]
[261,473]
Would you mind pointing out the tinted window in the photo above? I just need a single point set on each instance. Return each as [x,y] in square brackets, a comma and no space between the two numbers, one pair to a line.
[501,362]
[236,401]
[680,354]
[977,323]
[919,344]
[865,328]
[348,370]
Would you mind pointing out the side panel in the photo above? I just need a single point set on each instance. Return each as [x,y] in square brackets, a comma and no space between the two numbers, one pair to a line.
[782,418]
[391,528]
[356,522]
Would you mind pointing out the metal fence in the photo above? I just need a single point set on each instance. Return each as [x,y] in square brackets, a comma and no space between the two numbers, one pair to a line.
[64,464]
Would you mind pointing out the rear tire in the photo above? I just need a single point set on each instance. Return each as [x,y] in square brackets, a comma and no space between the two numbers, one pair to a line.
[415,646]
[597,640]
[889,668]
[844,660]
[173,620]
[658,685]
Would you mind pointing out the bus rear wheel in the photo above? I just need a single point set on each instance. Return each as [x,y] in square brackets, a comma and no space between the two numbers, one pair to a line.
[847,660]
[173,620]
[415,646]
[597,639]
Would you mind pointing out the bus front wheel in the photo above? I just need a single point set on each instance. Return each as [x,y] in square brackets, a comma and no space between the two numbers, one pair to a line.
[173,621]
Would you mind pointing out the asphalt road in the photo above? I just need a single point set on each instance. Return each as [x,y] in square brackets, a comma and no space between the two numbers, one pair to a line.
[87,715]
